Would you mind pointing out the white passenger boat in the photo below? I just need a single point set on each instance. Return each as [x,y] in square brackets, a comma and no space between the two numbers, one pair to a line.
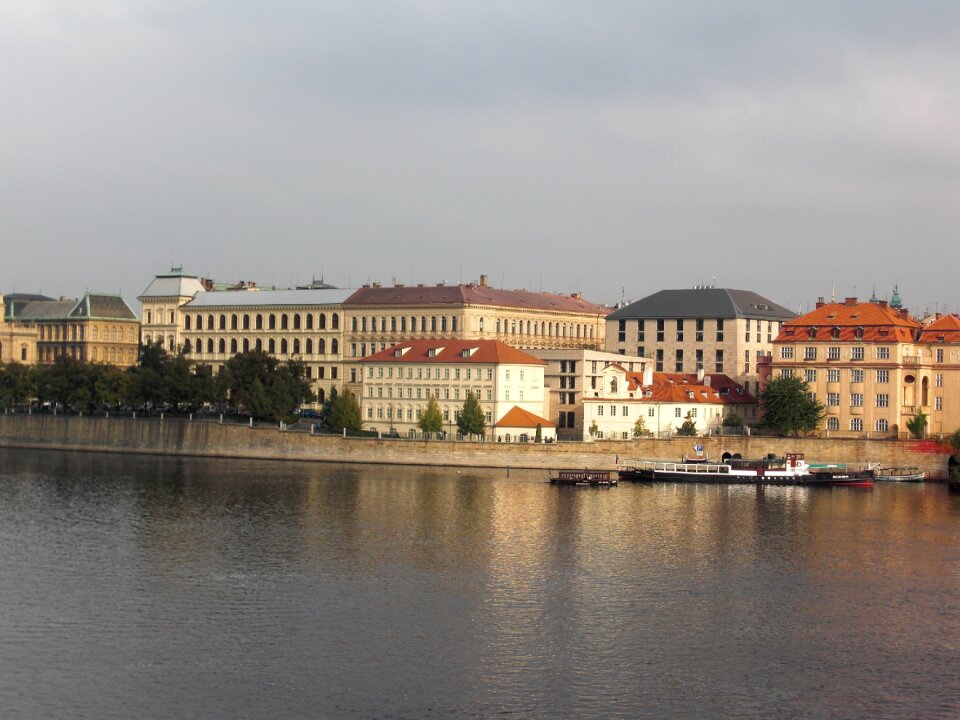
[791,469]
[899,474]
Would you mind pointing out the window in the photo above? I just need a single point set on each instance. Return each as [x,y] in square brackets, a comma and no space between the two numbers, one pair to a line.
[938,380]
[938,403]
[810,375]
[883,376]
[882,425]
[833,375]
[810,353]
[833,399]
[599,409]
[693,412]
[786,372]
[613,411]
[746,334]
[718,364]
[622,331]
[856,375]
[856,424]
[639,331]
[699,335]
[833,352]
[676,412]
[660,324]
[746,361]
[857,352]
[720,330]
[678,360]
[833,423]
[660,360]
[939,355]
[699,359]
[856,399]
[679,330]
[883,400]
[625,411]
[786,353]
[883,353]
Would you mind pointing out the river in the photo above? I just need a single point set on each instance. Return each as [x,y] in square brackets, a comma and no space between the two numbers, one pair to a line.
[154,587]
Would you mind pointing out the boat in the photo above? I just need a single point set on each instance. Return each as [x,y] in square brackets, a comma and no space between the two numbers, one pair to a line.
[596,478]
[696,459]
[899,474]
[791,469]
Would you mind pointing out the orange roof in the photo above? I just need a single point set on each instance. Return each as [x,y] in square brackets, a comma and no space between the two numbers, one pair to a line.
[448,351]
[944,329]
[851,322]
[517,417]
[676,387]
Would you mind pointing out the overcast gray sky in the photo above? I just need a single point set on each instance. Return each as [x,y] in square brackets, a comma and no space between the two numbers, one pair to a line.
[610,147]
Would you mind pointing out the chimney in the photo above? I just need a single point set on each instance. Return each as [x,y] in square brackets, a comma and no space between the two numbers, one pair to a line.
[904,313]
[883,303]
[576,296]
[700,376]
[647,376]
[707,380]
[820,302]
[484,281]
[850,301]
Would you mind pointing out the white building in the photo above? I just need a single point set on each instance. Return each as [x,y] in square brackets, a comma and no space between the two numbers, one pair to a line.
[397,383]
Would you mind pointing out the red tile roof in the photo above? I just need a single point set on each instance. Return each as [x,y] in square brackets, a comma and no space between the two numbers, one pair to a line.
[517,417]
[879,323]
[945,329]
[449,351]
[459,295]
[676,387]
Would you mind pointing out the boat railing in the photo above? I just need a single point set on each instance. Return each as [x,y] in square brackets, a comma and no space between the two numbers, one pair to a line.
[663,466]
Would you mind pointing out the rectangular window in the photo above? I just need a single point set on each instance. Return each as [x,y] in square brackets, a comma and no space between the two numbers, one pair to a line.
[622,331]
[883,376]
[857,352]
[938,380]
[639,331]
[883,400]
[833,423]
[786,353]
[679,330]
[660,360]
[718,363]
[651,412]
[833,375]
[833,352]
[856,399]
[856,424]
[626,411]
[613,411]
[810,375]
[883,353]
[678,360]
[810,353]
[746,334]
[833,399]
[938,403]
[489,394]
[660,330]
[699,337]
[693,412]
[699,359]
[856,375]
[746,361]
[676,412]
[786,372]
[599,409]
[939,355]
[640,351]
[720,330]
[882,425]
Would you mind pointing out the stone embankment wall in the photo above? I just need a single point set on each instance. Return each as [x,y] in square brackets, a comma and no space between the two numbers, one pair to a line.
[209,439]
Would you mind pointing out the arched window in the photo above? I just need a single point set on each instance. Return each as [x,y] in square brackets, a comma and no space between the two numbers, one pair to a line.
[335,321]
[320,395]
[498,326]
[223,322]
[233,322]
[284,322]
[186,347]
[210,324]
[309,321]
[443,324]
[259,323]
[246,345]
[321,347]
[334,346]
[403,324]
[423,323]
[296,321]
[93,354]
[271,346]
[272,322]
[210,346]
[186,322]
[283,346]
[222,346]
[233,346]
[296,346]
[199,345]
[393,323]
[453,324]
[246,322]
[322,322]
[309,348]
[259,345]
[199,323]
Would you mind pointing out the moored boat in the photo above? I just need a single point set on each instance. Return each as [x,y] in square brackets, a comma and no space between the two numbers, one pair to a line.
[596,478]
[899,474]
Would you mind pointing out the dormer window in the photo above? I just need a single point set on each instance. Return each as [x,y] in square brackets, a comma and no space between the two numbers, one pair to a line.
[433,352]
[812,332]
[859,333]
[836,333]
[401,351]
[468,352]
[690,394]
[648,393]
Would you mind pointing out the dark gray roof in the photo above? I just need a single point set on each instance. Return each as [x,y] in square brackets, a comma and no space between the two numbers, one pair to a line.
[703,303]
[103,307]
[46,310]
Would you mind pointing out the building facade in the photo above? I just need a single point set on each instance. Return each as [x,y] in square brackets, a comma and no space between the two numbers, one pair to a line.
[18,342]
[703,328]
[398,382]
[865,361]
[159,307]
[941,338]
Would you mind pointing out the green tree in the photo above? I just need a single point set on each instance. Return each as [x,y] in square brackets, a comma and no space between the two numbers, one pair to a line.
[344,412]
[689,426]
[917,425]
[788,409]
[733,420]
[470,419]
[16,384]
[432,419]
[538,438]
[640,427]
[593,429]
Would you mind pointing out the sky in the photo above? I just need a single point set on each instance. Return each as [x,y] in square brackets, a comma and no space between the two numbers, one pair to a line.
[612,148]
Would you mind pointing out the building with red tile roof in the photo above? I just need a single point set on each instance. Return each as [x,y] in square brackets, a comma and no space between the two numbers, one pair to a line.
[398,382]
[874,367]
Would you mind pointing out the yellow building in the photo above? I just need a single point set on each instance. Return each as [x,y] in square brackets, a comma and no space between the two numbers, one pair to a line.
[97,328]
[159,305]
[18,343]
[865,361]
[715,330]
[941,338]
[398,383]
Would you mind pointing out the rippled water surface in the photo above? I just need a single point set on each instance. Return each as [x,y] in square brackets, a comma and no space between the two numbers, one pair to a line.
[164,588]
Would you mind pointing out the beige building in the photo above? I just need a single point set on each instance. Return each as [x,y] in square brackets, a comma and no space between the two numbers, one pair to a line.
[704,328]
[160,303]
[18,342]
[573,374]
[398,382]
[378,317]
[866,362]
[663,401]
[97,328]
[304,325]
[942,340]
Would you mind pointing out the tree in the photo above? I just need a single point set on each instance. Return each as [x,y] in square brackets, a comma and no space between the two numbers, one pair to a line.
[593,429]
[689,426]
[538,438]
[470,419]
[788,409]
[733,420]
[917,425]
[640,427]
[16,384]
[344,412]
[432,419]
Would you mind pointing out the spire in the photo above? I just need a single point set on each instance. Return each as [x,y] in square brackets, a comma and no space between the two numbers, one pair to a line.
[895,302]
[873,297]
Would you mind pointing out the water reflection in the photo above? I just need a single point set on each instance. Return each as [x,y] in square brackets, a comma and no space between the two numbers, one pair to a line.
[229,588]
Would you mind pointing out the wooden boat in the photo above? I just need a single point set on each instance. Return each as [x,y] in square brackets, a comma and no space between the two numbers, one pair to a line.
[596,478]
[696,459]
[899,474]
